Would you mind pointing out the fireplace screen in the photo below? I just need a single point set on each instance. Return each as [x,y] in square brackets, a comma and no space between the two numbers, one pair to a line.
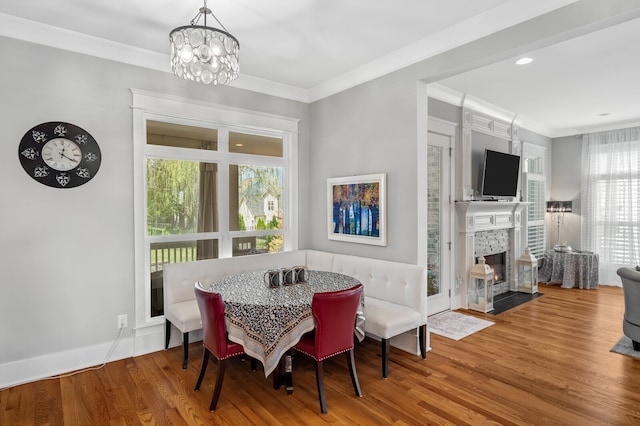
[497,262]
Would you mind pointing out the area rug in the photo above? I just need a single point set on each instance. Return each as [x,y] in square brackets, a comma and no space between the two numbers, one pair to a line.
[455,325]
[624,347]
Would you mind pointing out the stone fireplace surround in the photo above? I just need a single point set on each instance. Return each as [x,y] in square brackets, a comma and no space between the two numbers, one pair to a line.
[488,227]
[495,242]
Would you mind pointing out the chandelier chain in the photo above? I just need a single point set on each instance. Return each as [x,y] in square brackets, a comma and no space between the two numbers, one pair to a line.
[204,11]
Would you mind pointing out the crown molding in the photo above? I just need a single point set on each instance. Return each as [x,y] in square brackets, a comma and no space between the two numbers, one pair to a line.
[579,131]
[268,87]
[505,15]
[459,99]
[59,38]
[453,97]
[499,18]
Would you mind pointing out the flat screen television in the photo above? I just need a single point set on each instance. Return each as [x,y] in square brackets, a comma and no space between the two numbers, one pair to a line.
[500,175]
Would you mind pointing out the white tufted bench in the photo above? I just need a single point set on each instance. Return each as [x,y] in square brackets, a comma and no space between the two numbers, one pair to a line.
[395,298]
[395,293]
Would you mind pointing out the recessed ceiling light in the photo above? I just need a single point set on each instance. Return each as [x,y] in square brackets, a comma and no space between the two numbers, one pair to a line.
[524,61]
[239,144]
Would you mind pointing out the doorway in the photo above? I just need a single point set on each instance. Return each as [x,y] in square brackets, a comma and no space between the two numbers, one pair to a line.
[440,140]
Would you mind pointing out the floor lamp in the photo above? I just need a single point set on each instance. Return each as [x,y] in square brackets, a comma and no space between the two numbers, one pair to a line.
[557,210]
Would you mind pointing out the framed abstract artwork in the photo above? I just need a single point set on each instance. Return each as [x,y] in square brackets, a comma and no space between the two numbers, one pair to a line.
[356,209]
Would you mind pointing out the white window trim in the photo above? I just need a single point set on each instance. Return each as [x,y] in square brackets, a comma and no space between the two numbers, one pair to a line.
[172,109]
[530,150]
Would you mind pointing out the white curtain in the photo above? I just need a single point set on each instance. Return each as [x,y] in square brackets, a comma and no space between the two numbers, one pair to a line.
[610,201]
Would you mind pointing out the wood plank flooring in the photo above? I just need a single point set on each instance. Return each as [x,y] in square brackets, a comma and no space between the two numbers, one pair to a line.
[544,362]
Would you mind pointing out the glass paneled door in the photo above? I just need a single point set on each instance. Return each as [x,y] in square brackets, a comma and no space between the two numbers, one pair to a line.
[438,223]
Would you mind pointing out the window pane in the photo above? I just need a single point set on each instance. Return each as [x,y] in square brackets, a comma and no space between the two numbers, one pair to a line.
[243,143]
[255,198]
[535,240]
[243,246]
[536,196]
[169,134]
[174,252]
[181,197]
[534,165]
[616,218]
[434,219]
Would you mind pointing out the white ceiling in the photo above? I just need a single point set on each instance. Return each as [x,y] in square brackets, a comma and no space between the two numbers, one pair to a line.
[581,85]
[308,49]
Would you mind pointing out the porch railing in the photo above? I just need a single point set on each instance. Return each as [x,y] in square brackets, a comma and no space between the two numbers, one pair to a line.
[173,252]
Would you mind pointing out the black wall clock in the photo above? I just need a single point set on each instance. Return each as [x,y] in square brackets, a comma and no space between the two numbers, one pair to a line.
[60,155]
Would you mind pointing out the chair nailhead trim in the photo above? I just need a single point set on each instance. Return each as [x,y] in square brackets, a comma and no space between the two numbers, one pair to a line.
[326,357]
[232,355]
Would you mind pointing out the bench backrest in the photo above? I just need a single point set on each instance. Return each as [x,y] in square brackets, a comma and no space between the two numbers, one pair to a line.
[396,282]
[179,278]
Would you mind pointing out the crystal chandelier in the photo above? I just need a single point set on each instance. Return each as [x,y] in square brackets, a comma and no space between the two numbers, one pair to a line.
[204,54]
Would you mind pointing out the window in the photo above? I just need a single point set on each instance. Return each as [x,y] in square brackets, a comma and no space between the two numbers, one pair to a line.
[183,202]
[610,203]
[533,189]
[207,190]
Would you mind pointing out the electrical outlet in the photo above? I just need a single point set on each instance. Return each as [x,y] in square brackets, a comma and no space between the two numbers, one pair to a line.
[122,321]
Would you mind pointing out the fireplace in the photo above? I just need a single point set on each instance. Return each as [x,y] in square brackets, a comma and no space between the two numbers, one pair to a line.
[495,246]
[489,229]
[498,263]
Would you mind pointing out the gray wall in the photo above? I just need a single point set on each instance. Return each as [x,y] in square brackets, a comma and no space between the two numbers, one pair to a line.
[445,111]
[67,254]
[368,129]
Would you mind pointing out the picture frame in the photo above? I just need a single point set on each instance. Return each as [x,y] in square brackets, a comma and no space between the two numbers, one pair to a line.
[356,209]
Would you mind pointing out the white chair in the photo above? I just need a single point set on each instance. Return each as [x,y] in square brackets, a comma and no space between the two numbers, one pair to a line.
[181,310]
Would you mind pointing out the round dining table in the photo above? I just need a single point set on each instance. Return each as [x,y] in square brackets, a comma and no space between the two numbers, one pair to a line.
[268,321]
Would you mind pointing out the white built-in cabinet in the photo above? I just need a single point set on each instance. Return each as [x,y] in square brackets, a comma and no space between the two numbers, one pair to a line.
[473,120]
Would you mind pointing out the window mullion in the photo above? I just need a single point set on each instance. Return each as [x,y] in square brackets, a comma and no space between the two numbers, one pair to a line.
[226,246]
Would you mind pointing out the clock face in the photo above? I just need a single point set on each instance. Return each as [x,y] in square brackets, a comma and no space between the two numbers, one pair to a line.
[60,155]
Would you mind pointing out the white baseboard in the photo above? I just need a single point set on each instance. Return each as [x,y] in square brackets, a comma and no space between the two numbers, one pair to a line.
[40,367]
[143,341]
[146,340]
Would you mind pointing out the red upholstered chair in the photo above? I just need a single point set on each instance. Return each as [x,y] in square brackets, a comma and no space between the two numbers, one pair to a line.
[215,339]
[335,315]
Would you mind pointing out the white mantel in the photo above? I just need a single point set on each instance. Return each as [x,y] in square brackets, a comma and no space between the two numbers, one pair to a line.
[486,215]
[478,216]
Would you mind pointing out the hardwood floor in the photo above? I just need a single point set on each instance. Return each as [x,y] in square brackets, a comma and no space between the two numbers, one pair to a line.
[544,362]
